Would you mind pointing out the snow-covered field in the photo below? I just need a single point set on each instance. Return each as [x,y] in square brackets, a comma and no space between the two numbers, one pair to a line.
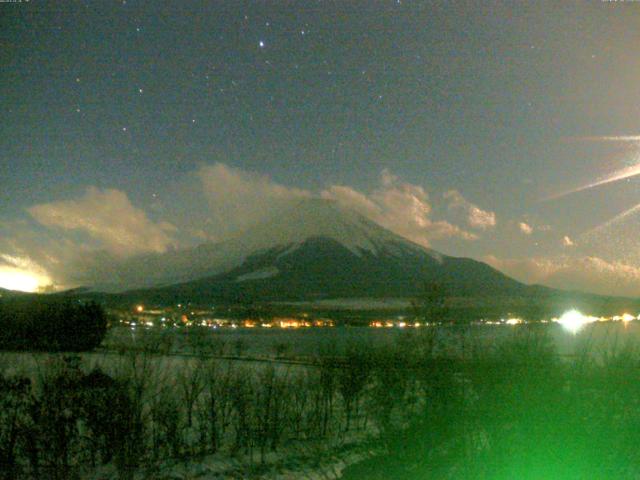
[199,418]
[183,410]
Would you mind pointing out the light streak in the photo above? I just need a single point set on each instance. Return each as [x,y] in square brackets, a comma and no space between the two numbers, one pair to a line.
[608,138]
[611,221]
[621,174]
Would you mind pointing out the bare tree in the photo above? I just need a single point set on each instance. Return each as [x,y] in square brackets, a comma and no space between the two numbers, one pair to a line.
[431,304]
[190,382]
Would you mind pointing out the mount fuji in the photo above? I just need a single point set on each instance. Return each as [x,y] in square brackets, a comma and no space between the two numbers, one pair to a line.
[315,250]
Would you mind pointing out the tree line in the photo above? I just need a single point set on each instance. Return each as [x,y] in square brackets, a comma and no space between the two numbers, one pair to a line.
[50,323]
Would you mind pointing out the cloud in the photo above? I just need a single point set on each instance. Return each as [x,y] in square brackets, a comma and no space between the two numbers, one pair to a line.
[587,273]
[107,217]
[525,228]
[567,242]
[237,199]
[475,216]
[86,240]
[401,207]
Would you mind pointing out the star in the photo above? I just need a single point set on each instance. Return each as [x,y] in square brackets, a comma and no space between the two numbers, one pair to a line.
[140,90]
[124,129]
[261,44]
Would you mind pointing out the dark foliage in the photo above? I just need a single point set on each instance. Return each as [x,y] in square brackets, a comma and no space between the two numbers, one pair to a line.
[72,421]
[50,324]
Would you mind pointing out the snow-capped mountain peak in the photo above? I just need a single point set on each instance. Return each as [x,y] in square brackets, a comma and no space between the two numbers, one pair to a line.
[285,232]
[320,218]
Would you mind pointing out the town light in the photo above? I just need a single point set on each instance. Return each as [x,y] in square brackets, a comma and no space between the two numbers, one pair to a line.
[573,321]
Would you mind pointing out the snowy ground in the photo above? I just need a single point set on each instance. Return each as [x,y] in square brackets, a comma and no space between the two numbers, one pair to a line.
[301,461]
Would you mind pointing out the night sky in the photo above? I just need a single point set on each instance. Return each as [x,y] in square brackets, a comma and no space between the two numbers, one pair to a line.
[503,132]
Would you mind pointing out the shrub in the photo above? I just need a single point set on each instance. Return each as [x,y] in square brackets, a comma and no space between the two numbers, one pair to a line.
[50,324]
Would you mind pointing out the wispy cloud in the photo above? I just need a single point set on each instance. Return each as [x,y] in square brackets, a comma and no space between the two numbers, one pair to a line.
[586,273]
[237,198]
[108,217]
[402,207]
[81,240]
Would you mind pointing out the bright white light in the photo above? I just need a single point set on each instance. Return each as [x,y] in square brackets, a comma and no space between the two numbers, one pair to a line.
[261,44]
[626,317]
[16,279]
[573,320]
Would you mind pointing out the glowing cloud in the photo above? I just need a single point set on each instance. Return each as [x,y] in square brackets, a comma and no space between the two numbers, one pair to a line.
[12,278]
[402,207]
[476,217]
[108,217]
[525,228]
